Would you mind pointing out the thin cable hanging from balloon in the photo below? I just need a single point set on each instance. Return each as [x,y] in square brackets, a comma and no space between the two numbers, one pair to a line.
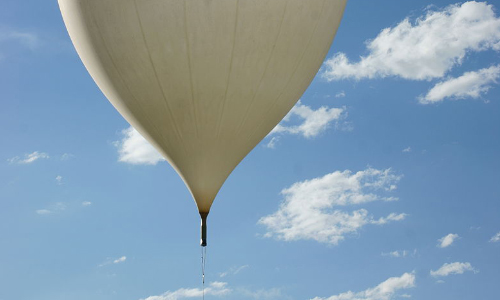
[203,262]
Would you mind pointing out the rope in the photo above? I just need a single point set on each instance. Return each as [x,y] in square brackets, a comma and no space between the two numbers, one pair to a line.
[203,262]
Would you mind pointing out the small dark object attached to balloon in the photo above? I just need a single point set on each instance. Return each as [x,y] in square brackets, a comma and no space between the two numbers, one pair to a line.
[203,241]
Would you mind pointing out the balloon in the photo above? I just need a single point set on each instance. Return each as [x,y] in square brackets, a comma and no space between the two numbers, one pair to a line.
[204,81]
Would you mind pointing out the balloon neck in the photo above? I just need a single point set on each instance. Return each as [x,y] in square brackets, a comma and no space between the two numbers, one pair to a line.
[203,241]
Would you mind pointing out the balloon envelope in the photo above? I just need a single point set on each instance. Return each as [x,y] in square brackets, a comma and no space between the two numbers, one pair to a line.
[204,81]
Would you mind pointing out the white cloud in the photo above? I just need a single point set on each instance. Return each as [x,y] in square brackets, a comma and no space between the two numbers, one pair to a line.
[120,260]
[425,49]
[313,122]
[447,240]
[67,156]
[272,142]
[309,209]
[495,238]
[400,253]
[469,85]
[214,289]
[233,271]
[384,291]
[390,217]
[59,179]
[28,158]
[53,208]
[86,203]
[340,94]
[134,149]
[110,261]
[273,293]
[25,38]
[397,253]
[453,268]
[407,149]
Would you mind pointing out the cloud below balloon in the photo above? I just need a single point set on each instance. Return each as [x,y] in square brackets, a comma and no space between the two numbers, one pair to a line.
[384,291]
[317,209]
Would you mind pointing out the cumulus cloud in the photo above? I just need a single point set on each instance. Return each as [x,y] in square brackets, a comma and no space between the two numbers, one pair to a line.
[134,149]
[424,49]
[447,240]
[86,203]
[311,208]
[469,85]
[407,149]
[384,291]
[495,238]
[28,158]
[312,122]
[59,179]
[453,268]
[214,289]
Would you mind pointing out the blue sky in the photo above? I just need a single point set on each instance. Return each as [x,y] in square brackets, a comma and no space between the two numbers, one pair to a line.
[381,183]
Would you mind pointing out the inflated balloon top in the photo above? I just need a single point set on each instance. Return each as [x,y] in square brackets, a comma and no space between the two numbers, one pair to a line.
[204,81]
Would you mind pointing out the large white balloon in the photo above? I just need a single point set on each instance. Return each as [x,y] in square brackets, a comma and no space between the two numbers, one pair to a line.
[203,80]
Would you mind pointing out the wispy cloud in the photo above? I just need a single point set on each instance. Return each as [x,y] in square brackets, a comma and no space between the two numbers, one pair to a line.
[25,38]
[272,142]
[214,289]
[310,209]
[233,271]
[134,149]
[67,156]
[120,260]
[59,179]
[469,85]
[110,261]
[63,207]
[426,48]
[53,208]
[273,293]
[407,150]
[495,238]
[384,291]
[311,122]
[400,253]
[453,268]
[447,240]
[28,158]
[340,94]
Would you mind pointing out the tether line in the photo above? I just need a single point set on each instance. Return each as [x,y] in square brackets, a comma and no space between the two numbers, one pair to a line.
[203,262]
